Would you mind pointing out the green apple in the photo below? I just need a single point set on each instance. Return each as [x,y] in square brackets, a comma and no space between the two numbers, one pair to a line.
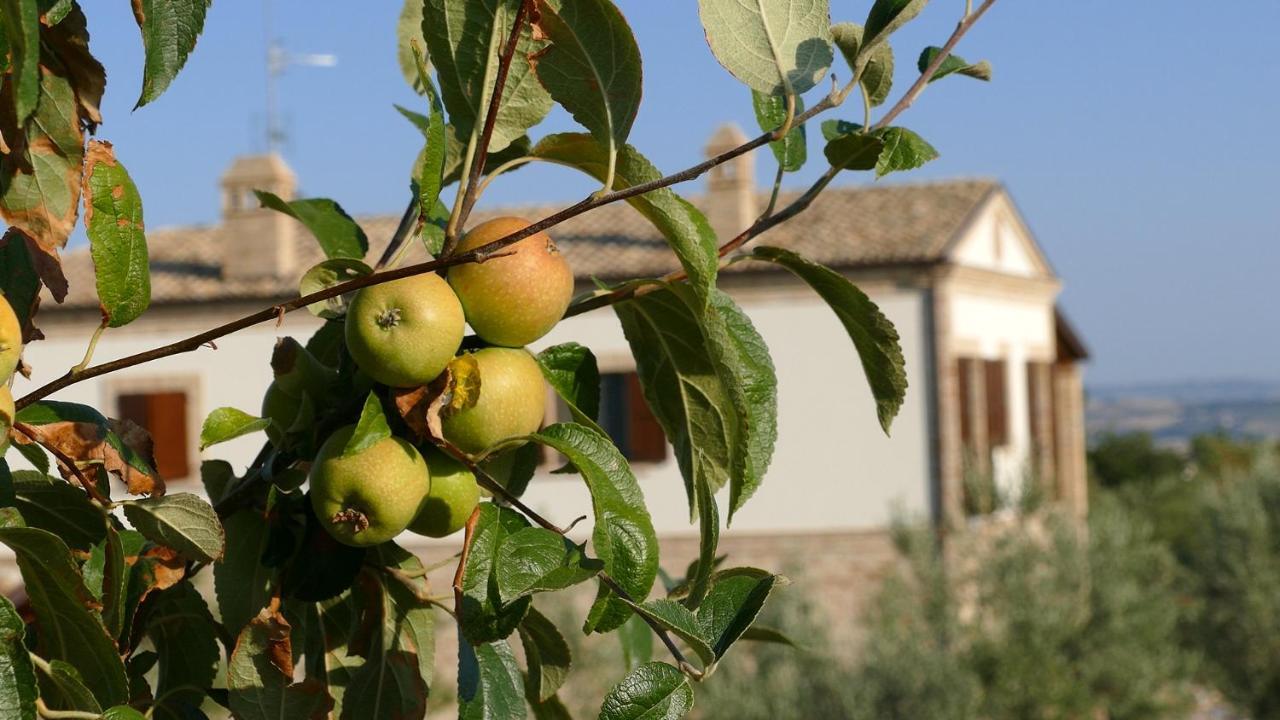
[283,409]
[298,372]
[515,299]
[454,495]
[369,497]
[10,340]
[402,333]
[512,401]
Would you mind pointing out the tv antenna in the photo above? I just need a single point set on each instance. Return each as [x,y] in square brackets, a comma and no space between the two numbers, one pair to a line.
[279,60]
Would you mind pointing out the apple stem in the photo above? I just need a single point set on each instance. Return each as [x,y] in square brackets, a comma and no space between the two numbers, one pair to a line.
[358,520]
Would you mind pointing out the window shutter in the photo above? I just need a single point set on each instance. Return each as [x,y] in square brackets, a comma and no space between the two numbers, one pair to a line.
[997,404]
[964,380]
[164,416]
[645,439]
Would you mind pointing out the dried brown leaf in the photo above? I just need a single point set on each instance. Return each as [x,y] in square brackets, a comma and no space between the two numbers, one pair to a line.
[89,445]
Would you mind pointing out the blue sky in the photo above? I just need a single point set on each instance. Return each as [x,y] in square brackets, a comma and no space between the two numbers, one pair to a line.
[1139,142]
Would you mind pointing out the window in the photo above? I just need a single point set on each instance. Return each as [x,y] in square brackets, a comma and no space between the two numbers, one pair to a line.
[164,415]
[625,415]
[997,403]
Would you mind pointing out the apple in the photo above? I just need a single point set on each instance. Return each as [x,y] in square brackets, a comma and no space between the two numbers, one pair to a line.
[454,495]
[515,299]
[10,340]
[371,496]
[7,412]
[512,401]
[402,333]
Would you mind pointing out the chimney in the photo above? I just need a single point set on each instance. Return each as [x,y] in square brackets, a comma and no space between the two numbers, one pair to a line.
[256,242]
[731,193]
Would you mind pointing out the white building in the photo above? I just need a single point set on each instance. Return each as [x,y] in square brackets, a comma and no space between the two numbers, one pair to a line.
[992,365]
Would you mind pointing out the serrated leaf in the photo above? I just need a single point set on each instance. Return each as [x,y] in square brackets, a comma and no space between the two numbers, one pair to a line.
[22,35]
[903,150]
[489,683]
[535,560]
[371,428]
[83,434]
[854,150]
[389,682]
[185,638]
[62,509]
[777,47]
[65,689]
[228,423]
[117,550]
[412,619]
[731,606]
[571,370]
[483,616]
[170,29]
[685,227]
[18,689]
[873,334]
[771,111]
[546,653]
[339,236]
[260,689]
[117,241]
[636,639]
[653,691]
[409,31]
[592,67]
[876,66]
[181,521]
[464,41]
[623,537]
[886,16]
[953,64]
[69,629]
[681,622]
[326,274]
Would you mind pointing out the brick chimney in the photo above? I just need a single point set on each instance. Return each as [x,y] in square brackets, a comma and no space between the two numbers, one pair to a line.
[730,203]
[256,242]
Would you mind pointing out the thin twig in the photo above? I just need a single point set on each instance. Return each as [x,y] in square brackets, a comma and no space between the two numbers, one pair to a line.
[93,345]
[472,190]
[67,461]
[403,231]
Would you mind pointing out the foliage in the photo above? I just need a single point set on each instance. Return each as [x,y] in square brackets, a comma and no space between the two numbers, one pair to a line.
[302,625]
[1132,457]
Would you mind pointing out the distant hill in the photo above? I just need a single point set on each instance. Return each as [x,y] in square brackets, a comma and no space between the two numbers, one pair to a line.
[1174,412]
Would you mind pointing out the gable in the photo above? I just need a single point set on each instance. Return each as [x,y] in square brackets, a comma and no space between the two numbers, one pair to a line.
[997,239]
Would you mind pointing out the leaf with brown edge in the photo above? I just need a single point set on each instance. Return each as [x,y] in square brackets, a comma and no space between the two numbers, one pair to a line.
[95,443]
[260,671]
[454,390]
[117,239]
[19,282]
[68,40]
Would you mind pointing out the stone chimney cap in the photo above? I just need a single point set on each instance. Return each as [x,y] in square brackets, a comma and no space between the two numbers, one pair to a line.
[257,169]
[726,137]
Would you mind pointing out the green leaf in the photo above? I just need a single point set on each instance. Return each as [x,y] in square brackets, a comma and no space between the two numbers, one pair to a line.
[17,677]
[408,30]
[430,174]
[181,521]
[755,633]
[623,536]
[546,654]
[326,274]
[371,428]
[84,432]
[571,370]
[464,41]
[483,616]
[776,47]
[185,637]
[592,67]
[455,149]
[535,560]
[64,689]
[552,708]
[339,236]
[117,242]
[320,567]
[953,64]
[241,582]
[873,335]
[170,29]
[69,630]
[771,112]
[854,150]
[18,279]
[903,150]
[116,549]
[228,423]
[260,688]
[876,66]
[886,16]
[122,712]
[389,683]
[680,621]
[35,455]
[59,507]
[735,599]
[489,683]
[411,618]
[217,477]
[684,226]
[653,691]
[636,638]
[22,34]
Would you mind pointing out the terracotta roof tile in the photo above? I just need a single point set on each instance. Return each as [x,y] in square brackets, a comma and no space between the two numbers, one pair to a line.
[845,227]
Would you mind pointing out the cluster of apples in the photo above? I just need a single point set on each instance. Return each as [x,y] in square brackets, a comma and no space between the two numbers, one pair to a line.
[403,334]
[10,351]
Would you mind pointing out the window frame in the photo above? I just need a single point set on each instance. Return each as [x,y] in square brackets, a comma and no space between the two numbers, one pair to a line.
[186,383]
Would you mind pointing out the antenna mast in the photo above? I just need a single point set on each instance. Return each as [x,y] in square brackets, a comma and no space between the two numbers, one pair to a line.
[278,60]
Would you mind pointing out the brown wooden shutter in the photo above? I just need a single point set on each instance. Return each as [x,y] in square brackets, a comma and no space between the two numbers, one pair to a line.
[645,439]
[964,379]
[997,404]
[164,415]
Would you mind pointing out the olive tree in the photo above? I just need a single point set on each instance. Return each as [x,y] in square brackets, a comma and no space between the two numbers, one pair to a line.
[316,611]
